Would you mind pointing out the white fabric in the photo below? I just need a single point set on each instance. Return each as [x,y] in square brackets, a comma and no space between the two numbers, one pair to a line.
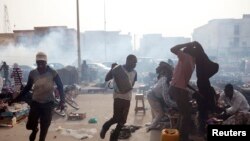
[156,96]
[238,103]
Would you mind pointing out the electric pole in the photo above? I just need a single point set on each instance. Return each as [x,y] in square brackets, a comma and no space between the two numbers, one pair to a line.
[78,42]
[6,25]
[105,40]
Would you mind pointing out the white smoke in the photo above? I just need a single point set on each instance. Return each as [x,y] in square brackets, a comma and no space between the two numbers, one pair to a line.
[52,44]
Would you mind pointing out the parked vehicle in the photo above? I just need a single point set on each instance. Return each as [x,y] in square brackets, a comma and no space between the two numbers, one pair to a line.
[97,72]
[56,66]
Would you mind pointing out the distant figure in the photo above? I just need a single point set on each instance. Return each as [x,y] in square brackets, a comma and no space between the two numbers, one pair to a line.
[41,80]
[243,66]
[232,101]
[1,82]
[84,70]
[121,103]
[171,62]
[157,96]
[178,86]
[5,69]
[17,75]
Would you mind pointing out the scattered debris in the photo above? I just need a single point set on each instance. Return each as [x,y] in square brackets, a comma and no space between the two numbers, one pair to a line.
[76,116]
[127,131]
[92,120]
[80,134]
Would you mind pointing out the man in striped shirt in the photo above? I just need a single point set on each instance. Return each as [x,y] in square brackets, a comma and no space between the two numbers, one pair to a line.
[17,75]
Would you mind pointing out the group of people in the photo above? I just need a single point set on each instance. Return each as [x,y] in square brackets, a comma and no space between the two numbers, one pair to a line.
[16,73]
[170,91]
[191,55]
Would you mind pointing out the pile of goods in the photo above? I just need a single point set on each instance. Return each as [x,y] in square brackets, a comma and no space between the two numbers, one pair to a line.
[12,114]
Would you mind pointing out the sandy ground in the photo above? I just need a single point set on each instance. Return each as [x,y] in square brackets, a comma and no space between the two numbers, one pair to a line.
[97,106]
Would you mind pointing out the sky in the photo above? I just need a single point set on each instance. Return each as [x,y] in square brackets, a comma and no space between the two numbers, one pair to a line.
[168,17]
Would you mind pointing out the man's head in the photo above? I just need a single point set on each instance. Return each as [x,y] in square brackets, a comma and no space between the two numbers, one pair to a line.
[15,65]
[41,56]
[229,90]
[194,49]
[113,65]
[164,68]
[131,62]
[41,61]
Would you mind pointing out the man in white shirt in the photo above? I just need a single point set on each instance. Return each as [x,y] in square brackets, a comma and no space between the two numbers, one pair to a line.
[234,100]
[122,100]
[157,96]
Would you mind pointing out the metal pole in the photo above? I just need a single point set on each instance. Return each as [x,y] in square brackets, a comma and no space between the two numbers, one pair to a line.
[134,43]
[105,40]
[78,42]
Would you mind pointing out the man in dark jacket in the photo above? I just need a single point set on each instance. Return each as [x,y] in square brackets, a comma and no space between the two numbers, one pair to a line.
[5,69]
[42,81]
[206,98]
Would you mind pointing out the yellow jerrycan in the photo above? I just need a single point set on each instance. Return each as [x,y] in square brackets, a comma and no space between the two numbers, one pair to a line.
[170,135]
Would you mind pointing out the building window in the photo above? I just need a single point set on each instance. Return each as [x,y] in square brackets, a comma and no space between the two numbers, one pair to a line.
[236,42]
[244,44]
[231,44]
[236,29]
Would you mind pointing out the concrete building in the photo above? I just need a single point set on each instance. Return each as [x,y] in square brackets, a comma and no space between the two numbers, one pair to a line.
[6,39]
[24,37]
[225,37]
[157,46]
[58,41]
[106,45]
[95,45]
[32,38]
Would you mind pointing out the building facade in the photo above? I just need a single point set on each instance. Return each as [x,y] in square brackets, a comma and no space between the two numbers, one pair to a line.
[225,37]
[157,46]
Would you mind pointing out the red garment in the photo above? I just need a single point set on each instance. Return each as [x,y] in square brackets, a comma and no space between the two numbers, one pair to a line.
[183,70]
